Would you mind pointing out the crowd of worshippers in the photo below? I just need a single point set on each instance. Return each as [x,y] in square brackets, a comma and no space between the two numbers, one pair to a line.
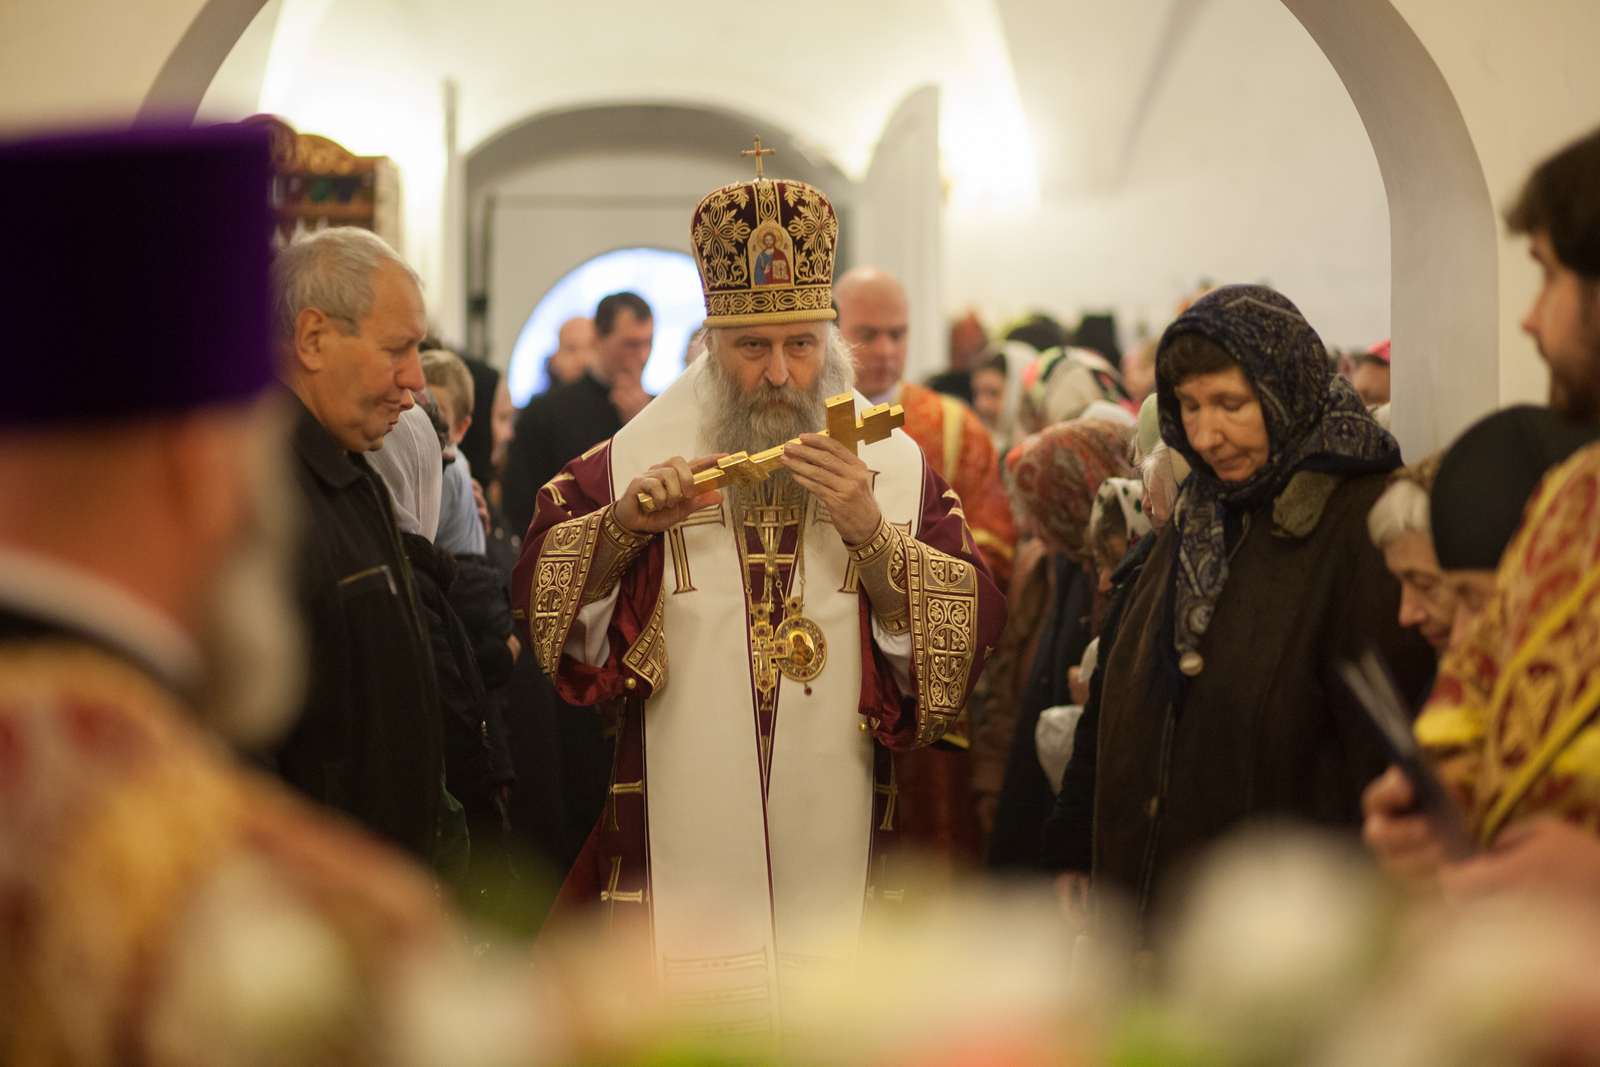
[1194,539]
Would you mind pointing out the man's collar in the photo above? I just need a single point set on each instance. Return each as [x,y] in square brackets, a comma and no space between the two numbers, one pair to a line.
[322,452]
[55,592]
[890,397]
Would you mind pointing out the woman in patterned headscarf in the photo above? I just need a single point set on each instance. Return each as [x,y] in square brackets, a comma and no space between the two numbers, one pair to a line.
[1055,609]
[1222,700]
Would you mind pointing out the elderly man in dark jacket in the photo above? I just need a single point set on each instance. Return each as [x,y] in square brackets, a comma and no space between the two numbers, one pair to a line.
[349,317]
[1222,701]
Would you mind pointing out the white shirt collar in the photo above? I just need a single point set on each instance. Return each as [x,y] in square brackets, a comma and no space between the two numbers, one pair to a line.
[889,397]
[52,591]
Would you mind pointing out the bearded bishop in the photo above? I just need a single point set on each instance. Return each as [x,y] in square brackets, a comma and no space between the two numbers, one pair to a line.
[769,644]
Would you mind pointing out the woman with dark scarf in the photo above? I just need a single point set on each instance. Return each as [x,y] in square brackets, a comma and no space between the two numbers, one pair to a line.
[1222,701]
[1055,475]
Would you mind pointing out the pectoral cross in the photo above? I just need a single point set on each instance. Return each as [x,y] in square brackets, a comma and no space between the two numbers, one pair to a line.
[764,650]
[741,468]
[758,152]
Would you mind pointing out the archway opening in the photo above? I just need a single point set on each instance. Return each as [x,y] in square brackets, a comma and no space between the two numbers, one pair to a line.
[669,283]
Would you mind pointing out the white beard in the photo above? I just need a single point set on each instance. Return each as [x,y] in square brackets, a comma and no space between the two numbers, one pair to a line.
[736,421]
[251,641]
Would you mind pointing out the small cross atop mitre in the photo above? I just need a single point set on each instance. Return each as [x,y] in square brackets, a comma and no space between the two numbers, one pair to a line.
[758,152]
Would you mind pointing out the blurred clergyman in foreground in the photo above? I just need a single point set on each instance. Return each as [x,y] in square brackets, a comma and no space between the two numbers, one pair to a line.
[1512,722]
[160,904]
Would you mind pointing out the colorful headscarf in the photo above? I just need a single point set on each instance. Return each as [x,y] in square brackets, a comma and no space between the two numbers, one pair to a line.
[1127,496]
[1056,473]
[1315,421]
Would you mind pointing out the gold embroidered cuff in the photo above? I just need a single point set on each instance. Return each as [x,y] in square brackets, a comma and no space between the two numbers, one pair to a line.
[881,569]
[614,550]
[874,544]
[931,728]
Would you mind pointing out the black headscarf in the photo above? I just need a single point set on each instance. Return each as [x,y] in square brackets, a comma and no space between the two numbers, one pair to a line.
[1315,421]
[1487,477]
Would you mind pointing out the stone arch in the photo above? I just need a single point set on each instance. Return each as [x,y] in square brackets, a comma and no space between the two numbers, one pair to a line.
[1445,282]
[682,129]
[182,81]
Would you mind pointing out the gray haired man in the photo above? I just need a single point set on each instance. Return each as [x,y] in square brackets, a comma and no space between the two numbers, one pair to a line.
[348,316]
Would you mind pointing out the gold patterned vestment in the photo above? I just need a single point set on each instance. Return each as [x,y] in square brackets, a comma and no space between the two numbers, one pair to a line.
[1512,722]
[772,794]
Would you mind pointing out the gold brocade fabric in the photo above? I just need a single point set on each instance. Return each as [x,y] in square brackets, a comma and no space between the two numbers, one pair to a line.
[943,595]
[1512,721]
[558,583]
[134,855]
[765,252]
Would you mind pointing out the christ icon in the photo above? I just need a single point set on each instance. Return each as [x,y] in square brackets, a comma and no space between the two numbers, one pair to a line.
[772,264]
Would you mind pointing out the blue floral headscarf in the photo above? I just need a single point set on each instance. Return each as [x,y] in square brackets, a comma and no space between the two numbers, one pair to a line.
[1315,421]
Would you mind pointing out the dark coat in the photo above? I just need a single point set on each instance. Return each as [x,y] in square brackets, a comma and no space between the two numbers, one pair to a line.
[476,763]
[1026,796]
[1069,832]
[1267,729]
[553,430]
[368,741]
[561,753]
[481,599]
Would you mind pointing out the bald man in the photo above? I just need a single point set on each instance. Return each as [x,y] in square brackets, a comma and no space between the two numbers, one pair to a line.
[575,347]
[874,316]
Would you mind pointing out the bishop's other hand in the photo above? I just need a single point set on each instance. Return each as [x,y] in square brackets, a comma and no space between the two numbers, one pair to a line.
[839,478]
[671,486]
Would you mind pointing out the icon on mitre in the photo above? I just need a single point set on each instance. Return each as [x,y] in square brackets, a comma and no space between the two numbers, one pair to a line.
[771,256]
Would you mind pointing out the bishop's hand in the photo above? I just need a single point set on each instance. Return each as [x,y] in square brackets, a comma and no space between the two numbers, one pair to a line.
[839,478]
[671,486]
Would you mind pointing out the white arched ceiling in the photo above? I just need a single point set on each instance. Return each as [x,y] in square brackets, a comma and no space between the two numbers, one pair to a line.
[354,55]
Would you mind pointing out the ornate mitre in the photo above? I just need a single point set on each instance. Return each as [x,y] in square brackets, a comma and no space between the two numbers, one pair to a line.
[765,252]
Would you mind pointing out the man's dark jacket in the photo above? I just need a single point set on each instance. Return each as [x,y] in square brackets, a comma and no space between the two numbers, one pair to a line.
[554,429]
[368,741]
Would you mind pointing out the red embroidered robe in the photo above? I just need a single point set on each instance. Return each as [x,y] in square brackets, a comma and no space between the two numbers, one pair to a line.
[937,818]
[748,834]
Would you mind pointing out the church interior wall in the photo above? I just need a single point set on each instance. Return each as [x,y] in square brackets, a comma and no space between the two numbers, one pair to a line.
[1245,160]
[73,61]
[551,218]
[1526,81]
[1250,165]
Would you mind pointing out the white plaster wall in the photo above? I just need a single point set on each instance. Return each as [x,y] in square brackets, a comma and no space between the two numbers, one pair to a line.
[897,223]
[1251,166]
[1526,79]
[83,61]
[552,218]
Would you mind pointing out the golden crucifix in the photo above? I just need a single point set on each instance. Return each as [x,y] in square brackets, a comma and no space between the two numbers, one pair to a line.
[741,468]
[758,152]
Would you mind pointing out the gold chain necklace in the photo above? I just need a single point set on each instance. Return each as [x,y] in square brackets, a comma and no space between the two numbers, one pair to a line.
[797,646]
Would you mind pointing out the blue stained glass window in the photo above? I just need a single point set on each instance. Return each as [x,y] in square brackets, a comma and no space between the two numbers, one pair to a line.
[669,283]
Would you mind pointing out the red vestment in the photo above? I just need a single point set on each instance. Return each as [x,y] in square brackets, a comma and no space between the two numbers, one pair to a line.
[616,866]
[935,783]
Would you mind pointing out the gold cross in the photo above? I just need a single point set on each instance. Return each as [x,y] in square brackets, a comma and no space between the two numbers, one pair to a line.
[742,468]
[611,898]
[764,651]
[758,152]
[891,791]
[617,789]
[874,425]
